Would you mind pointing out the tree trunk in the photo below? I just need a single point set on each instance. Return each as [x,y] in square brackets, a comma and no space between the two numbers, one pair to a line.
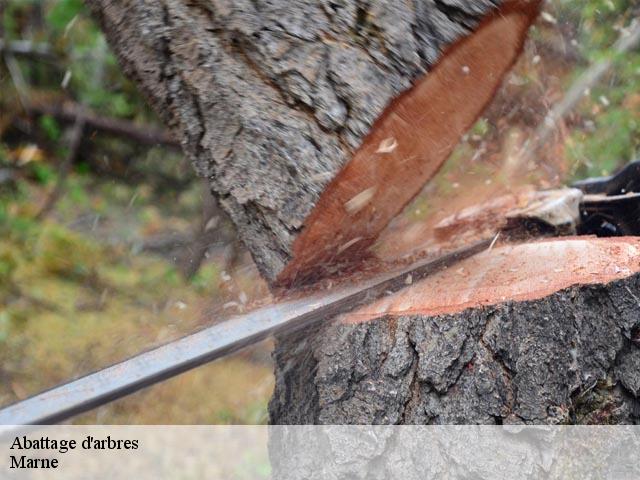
[315,122]
[541,332]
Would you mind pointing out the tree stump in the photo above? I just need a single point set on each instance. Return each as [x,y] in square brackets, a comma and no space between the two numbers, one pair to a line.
[315,122]
[540,332]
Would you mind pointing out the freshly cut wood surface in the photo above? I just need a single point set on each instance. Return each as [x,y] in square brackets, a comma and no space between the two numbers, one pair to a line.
[315,122]
[507,273]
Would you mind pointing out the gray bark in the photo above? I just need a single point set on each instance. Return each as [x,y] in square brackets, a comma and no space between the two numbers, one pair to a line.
[571,357]
[271,98]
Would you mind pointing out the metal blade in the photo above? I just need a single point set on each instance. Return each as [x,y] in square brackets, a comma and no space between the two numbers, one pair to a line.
[124,378]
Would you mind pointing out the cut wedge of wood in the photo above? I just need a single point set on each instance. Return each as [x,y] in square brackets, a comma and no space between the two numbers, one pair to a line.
[408,144]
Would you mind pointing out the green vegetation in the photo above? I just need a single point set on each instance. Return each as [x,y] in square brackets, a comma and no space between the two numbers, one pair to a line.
[72,304]
[610,113]
[78,291]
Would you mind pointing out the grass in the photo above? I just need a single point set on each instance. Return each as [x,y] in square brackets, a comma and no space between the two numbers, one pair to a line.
[73,300]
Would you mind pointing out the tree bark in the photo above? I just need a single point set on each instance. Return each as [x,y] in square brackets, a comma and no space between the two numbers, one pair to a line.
[561,347]
[314,121]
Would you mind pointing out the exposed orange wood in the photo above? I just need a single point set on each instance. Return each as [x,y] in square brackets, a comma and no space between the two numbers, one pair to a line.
[409,143]
[520,272]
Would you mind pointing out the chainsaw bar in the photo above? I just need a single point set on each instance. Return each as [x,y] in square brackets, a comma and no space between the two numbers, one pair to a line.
[104,386]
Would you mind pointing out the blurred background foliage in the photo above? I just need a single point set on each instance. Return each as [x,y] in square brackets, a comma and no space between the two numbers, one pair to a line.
[101,251]
[608,132]
[112,265]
